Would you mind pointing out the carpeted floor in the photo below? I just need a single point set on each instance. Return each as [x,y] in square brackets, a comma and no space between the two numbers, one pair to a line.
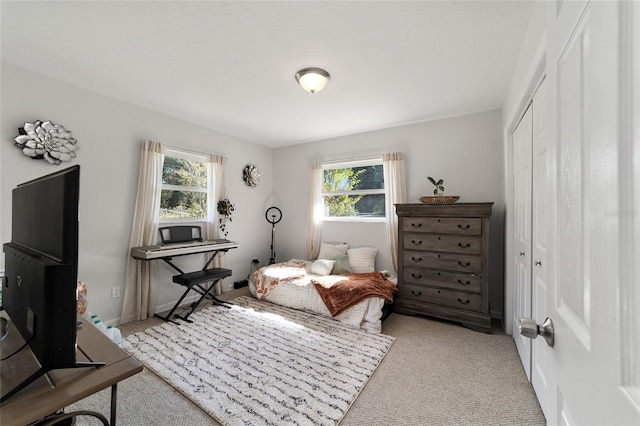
[436,373]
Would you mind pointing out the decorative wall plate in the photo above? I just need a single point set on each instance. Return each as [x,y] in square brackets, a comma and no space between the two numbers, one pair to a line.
[46,140]
[251,175]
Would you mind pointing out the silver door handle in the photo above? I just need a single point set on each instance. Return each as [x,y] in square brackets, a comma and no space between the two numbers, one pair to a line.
[529,328]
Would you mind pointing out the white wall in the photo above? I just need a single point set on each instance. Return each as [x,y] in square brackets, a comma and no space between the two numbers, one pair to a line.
[526,76]
[465,151]
[109,134]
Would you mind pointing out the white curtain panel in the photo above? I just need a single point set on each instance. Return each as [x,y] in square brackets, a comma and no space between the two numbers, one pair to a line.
[396,192]
[314,210]
[141,280]
[215,184]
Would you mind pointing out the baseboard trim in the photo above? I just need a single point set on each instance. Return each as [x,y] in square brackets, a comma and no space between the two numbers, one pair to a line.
[166,306]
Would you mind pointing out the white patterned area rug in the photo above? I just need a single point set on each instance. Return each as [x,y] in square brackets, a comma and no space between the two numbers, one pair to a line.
[263,364]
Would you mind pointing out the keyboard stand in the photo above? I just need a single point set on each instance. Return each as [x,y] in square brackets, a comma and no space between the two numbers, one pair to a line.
[192,280]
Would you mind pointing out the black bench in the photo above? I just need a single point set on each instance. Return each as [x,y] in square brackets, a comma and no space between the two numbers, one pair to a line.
[193,281]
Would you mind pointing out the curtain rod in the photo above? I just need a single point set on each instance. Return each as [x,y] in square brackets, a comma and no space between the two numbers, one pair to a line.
[350,159]
[190,151]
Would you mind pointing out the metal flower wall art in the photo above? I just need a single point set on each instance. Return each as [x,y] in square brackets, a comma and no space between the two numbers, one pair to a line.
[46,140]
[251,175]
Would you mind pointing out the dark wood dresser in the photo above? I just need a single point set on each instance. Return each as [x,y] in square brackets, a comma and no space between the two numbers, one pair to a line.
[443,262]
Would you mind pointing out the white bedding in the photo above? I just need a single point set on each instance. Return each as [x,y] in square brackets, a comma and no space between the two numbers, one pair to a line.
[301,294]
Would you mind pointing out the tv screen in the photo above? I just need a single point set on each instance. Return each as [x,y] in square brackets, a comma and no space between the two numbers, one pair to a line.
[45,215]
[41,270]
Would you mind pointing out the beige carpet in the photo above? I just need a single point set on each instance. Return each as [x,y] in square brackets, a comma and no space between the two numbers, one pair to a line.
[436,373]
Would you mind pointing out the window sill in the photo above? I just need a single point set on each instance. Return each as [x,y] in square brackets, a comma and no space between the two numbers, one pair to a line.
[355,219]
[185,220]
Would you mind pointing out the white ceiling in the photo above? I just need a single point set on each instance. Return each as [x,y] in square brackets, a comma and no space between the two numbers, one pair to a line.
[230,65]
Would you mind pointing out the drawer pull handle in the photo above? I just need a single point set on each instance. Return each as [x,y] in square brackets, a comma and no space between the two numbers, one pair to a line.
[416,276]
[464,265]
[416,225]
[416,259]
[467,226]
[467,245]
[417,243]
[464,282]
[416,293]
[464,302]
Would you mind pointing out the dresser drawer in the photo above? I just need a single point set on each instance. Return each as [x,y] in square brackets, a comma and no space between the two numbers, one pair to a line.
[448,243]
[452,262]
[454,299]
[451,280]
[443,225]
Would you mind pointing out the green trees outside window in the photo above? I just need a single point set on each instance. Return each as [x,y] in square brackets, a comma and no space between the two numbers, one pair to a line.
[184,189]
[356,191]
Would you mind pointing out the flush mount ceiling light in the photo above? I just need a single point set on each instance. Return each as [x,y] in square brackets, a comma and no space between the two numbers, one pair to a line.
[312,79]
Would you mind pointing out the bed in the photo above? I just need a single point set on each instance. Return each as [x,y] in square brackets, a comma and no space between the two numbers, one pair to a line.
[341,284]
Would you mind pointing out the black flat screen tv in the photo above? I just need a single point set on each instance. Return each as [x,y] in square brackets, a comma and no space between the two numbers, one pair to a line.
[41,270]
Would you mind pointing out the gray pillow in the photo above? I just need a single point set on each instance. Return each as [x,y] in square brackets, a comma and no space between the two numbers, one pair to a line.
[342,265]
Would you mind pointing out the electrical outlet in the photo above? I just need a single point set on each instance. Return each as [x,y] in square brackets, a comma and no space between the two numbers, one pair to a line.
[115,292]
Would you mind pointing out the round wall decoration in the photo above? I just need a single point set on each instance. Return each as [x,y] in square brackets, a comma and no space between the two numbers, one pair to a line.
[251,175]
[46,140]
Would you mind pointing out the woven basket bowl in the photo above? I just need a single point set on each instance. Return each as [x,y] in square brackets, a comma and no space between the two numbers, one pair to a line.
[439,199]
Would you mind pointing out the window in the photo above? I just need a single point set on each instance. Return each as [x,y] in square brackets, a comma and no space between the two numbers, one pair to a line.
[184,187]
[354,189]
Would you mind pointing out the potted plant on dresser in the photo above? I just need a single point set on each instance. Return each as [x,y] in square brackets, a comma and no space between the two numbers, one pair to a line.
[438,196]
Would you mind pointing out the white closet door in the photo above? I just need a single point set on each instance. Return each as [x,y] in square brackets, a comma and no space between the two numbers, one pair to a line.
[592,294]
[531,236]
[541,379]
[522,175]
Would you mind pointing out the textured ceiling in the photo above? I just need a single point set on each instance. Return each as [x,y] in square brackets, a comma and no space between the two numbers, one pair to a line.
[230,66]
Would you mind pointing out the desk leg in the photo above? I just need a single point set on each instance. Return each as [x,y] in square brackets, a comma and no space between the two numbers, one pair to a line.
[114,403]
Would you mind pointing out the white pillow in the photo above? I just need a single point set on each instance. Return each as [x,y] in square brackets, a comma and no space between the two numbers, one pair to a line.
[362,259]
[322,266]
[302,262]
[332,250]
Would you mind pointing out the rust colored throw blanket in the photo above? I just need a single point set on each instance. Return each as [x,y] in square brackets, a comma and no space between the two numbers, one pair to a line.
[340,292]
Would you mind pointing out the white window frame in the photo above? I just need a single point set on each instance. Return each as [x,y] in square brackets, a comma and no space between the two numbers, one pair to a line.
[191,156]
[374,161]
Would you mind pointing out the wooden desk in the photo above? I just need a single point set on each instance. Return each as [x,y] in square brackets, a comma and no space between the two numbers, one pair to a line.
[60,388]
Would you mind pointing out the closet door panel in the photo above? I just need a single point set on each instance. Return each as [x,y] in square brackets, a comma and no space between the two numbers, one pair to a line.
[522,175]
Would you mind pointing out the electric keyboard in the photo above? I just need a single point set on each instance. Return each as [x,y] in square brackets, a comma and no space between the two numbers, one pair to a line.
[180,249]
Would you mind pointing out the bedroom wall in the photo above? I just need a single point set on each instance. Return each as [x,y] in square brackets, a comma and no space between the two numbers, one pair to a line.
[110,133]
[465,151]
